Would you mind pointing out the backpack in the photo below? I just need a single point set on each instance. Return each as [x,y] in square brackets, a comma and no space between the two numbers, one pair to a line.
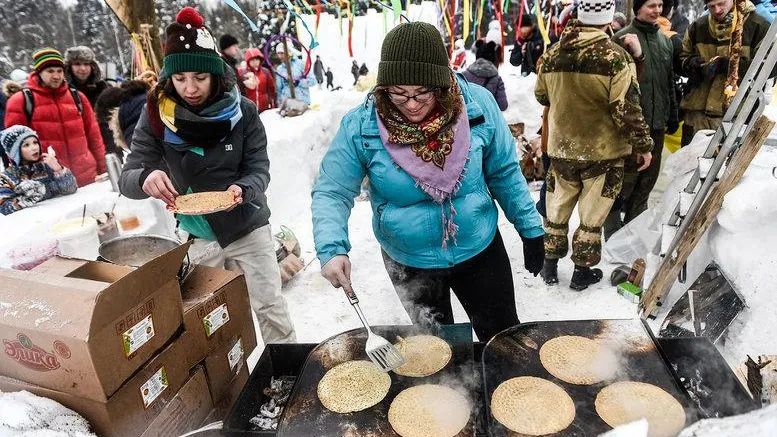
[29,102]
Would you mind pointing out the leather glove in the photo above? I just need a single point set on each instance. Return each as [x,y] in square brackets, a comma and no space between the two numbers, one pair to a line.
[533,254]
[672,126]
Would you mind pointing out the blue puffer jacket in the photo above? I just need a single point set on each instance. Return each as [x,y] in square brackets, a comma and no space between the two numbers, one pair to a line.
[406,222]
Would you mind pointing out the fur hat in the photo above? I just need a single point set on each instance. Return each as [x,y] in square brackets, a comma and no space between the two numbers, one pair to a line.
[81,55]
[12,139]
[226,41]
[596,12]
[190,46]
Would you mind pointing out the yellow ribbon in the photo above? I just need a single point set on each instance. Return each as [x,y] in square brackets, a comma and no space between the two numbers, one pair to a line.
[465,31]
[541,25]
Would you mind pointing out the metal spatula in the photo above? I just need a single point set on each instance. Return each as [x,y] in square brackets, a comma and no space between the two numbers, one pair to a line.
[382,353]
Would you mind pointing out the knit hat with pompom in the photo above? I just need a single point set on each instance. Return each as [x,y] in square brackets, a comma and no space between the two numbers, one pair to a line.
[190,46]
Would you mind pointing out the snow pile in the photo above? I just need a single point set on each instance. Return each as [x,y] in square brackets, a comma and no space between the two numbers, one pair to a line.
[22,414]
[742,243]
[761,422]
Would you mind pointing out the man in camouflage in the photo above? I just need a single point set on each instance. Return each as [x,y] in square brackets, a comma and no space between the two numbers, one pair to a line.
[590,85]
[705,60]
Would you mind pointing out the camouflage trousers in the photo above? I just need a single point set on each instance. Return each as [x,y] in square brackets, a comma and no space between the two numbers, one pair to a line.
[593,187]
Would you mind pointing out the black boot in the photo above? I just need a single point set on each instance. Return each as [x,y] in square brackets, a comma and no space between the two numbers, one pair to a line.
[583,277]
[550,271]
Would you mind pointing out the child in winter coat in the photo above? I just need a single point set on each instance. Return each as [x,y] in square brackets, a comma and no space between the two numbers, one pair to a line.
[459,56]
[258,81]
[529,45]
[484,73]
[32,175]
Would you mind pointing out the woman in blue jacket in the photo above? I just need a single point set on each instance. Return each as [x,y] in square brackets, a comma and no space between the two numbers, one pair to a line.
[437,153]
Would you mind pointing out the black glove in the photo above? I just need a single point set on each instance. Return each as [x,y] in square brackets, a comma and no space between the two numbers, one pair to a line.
[533,254]
[722,64]
[672,126]
[695,64]
[296,82]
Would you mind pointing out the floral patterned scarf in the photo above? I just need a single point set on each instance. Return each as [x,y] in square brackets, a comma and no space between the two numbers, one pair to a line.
[433,152]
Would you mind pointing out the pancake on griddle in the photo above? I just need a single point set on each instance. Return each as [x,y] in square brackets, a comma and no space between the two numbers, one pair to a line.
[424,355]
[627,401]
[429,410]
[578,360]
[353,386]
[532,406]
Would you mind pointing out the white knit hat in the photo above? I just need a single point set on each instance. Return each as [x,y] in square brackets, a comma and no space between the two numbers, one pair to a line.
[596,12]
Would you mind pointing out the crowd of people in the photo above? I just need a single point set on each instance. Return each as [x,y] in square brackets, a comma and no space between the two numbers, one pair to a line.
[430,139]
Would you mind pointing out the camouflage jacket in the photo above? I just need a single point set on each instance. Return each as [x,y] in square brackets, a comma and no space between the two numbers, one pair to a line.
[590,85]
[706,92]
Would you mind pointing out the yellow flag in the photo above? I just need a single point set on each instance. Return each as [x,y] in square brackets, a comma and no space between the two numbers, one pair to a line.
[465,32]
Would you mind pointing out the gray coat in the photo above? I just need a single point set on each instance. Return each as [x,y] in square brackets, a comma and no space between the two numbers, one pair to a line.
[239,159]
[485,74]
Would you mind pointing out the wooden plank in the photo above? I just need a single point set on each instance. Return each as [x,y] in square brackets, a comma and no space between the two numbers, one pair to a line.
[670,267]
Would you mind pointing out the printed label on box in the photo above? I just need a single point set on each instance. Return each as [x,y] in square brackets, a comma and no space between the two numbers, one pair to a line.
[154,387]
[216,319]
[135,337]
[235,354]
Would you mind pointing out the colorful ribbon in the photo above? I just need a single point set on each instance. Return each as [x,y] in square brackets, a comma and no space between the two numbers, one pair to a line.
[236,7]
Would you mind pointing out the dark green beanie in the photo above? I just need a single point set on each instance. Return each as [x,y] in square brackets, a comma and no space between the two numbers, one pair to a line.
[414,54]
[190,46]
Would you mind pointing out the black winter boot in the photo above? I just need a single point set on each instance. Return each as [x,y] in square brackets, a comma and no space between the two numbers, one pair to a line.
[583,277]
[550,271]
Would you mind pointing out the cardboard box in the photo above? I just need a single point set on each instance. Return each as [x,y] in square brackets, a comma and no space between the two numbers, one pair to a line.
[223,366]
[631,292]
[224,404]
[186,411]
[136,404]
[216,308]
[85,333]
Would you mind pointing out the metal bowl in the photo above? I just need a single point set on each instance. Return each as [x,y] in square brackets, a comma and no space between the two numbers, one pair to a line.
[136,250]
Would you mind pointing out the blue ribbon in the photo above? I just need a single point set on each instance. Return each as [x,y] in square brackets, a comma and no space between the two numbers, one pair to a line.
[236,7]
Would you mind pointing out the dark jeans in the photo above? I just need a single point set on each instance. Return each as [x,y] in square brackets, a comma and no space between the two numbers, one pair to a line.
[544,188]
[483,284]
[637,185]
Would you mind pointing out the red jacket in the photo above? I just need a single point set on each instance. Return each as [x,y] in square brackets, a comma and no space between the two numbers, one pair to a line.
[74,137]
[263,95]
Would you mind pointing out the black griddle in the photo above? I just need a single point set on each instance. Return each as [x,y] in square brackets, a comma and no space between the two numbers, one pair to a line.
[305,416]
[515,352]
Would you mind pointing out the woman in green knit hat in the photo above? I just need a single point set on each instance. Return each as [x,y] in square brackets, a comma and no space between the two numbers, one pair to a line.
[198,134]
[437,153]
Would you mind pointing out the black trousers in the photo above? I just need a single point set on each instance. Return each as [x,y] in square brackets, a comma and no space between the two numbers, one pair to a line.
[483,284]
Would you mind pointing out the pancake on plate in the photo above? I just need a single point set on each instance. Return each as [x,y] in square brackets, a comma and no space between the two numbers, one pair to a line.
[204,202]
[353,386]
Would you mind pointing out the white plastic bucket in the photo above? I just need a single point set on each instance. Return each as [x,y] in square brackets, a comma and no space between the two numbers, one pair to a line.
[77,238]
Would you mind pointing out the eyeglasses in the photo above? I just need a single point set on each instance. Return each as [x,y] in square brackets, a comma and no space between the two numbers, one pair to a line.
[400,99]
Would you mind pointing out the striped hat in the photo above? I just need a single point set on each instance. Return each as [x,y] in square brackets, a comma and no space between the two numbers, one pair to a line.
[596,12]
[47,57]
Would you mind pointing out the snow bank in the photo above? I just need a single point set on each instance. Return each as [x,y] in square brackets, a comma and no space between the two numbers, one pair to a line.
[761,422]
[23,414]
[743,244]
